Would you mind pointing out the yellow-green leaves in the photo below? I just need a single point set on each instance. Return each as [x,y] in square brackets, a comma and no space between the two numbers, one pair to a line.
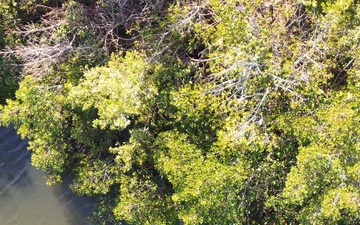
[37,114]
[323,182]
[135,152]
[95,177]
[216,112]
[115,91]
[340,205]
[204,188]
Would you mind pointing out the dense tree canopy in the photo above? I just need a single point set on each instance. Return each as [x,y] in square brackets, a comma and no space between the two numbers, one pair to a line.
[190,112]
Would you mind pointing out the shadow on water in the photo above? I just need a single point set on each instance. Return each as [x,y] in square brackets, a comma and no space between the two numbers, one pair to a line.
[24,197]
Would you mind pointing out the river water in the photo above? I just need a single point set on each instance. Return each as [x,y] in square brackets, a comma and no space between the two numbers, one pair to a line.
[24,197]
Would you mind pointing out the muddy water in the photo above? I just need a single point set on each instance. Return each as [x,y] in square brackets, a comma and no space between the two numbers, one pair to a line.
[24,197]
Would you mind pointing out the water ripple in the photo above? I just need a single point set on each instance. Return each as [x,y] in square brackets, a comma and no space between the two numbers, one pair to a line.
[24,197]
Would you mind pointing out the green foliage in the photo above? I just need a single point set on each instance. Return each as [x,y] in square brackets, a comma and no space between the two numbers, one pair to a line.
[114,91]
[321,181]
[46,131]
[205,190]
[219,112]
